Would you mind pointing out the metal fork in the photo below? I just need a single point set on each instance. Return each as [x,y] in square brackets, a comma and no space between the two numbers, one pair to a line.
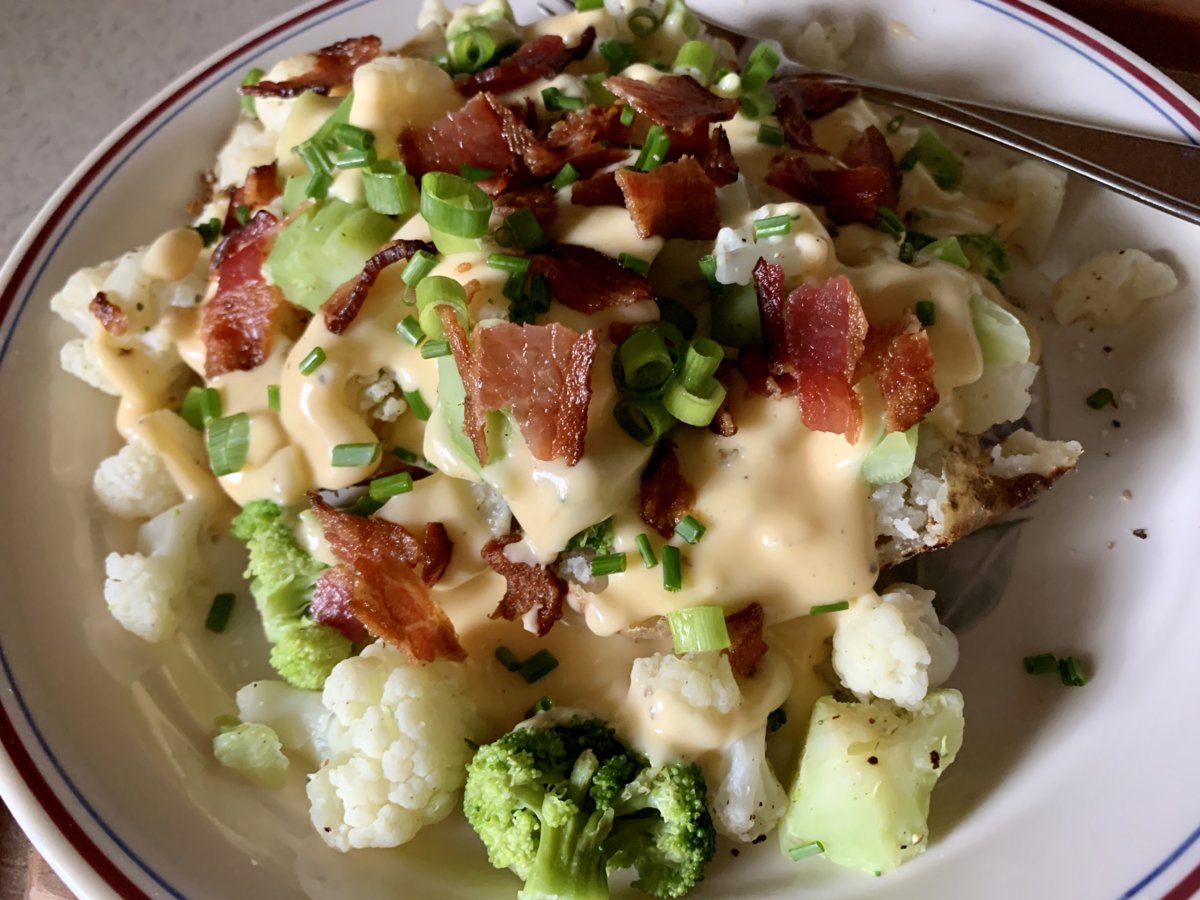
[1160,173]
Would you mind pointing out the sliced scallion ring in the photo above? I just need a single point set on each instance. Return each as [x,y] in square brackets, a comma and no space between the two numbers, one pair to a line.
[455,206]
[699,629]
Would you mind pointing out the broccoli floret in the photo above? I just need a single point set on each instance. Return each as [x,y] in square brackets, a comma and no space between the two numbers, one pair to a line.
[282,576]
[563,804]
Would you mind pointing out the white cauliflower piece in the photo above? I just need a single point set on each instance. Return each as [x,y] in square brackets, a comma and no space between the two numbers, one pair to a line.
[703,680]
[804,249]
[381,396]
[1024,453]
[1035,190]
[748,799]
[150,592]
[893,647]
[249,145]
[1109,287]
[297,716]
[78,358]
[1001,394]
[135,484]
[399,735]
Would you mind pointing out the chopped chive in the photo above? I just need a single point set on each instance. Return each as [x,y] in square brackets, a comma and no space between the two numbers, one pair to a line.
[432,349]
[524,229]
[538,666]
[273,397]
[388,189]
[822,608]
[555,100]
[355,159]
[804,851]
[566,176]
[643,22]
[608,564]
[672,568]
[887,221]
[417,404]
[654,150]
[407,455]
[472,50]
[619,55]
[354,137]
[318,185]
[690,529]
[365,506]
[895,123]
[770,135]
[474,173]
[347,456]
[647,551]
[699,629]
[508,659]
[636,263]
[943,165]
[1101,398]
[410,329]
[228,441]
[314,157]
[313,361]
[254,76]
[420,265]
[1042,664]
[772,226]
[588,5]
[241,213]
[760,66]
[926,312]
[506,262]
[218,613]
[1070,672]
[390,486]
[209,231]
[200,406]
[627,114]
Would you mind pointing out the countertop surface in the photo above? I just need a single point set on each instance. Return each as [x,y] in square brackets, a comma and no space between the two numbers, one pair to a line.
[72,70]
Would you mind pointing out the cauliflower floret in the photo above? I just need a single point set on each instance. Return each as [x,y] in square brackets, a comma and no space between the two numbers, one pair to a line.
[249,145]
[297,716]
[893,647]
[1001,394]
[748,799]
[135,483]
[804,249]
[149,592]
[1036,191]
[703,680]
[1109,287]
[381,396]
[399,735]
[1023,453]
[78,358]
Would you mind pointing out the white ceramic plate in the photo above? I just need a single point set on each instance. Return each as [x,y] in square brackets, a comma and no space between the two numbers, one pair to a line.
[1058,792]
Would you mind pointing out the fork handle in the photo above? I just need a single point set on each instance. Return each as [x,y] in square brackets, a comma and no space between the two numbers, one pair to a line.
[1160,173]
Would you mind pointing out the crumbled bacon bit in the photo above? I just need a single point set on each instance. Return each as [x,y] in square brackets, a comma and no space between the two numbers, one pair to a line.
[718,159]
[723,422]
[436,550]
[385,591]
[333,67]
[666,496]
[853,193]
[543,57]
[260,188]
[544,372]
[799,101]
[675,200]
[747,646]
[600,189]
[578,132]
[474,422]
[587,280]
[109,315]
[870,148]
[900,357]
[333,600]
[238,321]
[528,587]
[539,200]
[344,305]
[678,102]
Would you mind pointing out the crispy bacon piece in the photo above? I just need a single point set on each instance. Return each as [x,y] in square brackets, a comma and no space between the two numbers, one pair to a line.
[539,200]
[799,101]
[747,646]
[260,188]
[333,68]
[109,315]
[851,194]
[344,305]
[333,600]
[543,57]
[600,189]
[678,102]
[544,372]
[675,200]
[870,148]
[237,322]
[474,422]
[817,336]
[901,360]
[717,159]
[382,587]
[666,496]
[755,369]
[579,131]
[528,587]
[723,422]
[436,550]
[587,280]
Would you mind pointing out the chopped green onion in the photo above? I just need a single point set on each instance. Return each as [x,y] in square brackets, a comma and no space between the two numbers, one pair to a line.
[736,321]
[654,150]
[926,312]
[1070,672]
[228,442]
[417,404]
[508,659]
[696,58]
[432,349]
[521,229]
[620,55]
[508,263]
[760,66]
[757,104]
[708,268]
[643,22]
[294,191]
[472,50]
[241,214]
[1101,398]
[555,100]
[435,291]
[608,564]
[390,486]
[588,5]
[1002,338]
[527,304]
[566,176]
[690,529]
[273,397]
[418,266]
[943,166]
[643,420]
[407,455]
[346,456]
[693,407]
[771,136]
[254,76]
[354,137]
[636,263]
[699,629]
[355,159]
[823,608]
[410,329]
[647,551]
[365,506]
[988,253]
[474,173]
[452,204]
[772,226]
[1042,664]
[388,189]
[209,231]
[892,459]
[315,157]
[627,114]
[644,363]
[672,568]
[200,406]
[700,363]
[538,666]
[313,361]
[888,222]
[804,851]
[895,123]
[218,613]
[946,249]
[318,185]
